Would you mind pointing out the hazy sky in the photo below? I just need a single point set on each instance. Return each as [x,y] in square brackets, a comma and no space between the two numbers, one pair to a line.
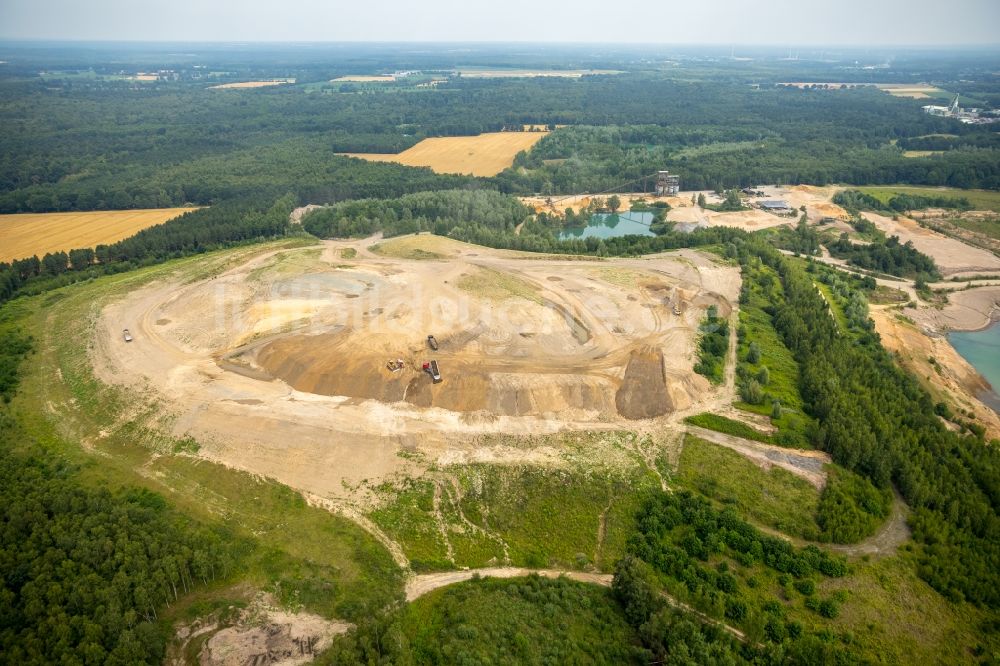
[826,22]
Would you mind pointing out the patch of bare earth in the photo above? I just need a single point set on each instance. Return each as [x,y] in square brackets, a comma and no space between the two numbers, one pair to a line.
[261,634]
[287,365]
[934,362]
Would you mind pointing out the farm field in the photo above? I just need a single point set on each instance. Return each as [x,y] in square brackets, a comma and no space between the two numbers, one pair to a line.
[27,234]
[915,91]
[909,90]
[251,84]
[483,155]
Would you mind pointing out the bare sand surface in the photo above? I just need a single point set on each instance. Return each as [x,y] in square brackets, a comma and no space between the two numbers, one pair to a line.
[279,366]
[949,377]
[951,255]
[967,310]
[817,201]
[262,634]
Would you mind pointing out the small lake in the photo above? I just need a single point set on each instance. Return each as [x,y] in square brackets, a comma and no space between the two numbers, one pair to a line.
[982,350]
[612,225]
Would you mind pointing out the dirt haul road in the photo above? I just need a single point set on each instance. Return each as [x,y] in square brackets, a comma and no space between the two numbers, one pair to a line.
[279,366]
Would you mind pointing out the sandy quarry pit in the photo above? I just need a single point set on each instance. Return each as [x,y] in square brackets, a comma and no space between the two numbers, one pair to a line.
[817,201]
[278,366]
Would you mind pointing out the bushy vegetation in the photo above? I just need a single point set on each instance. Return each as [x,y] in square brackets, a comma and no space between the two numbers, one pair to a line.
[854,201]
[529,620]
[16,344]
[713,345]
[716,562]
[442,212]
[728,426]
[851,508]
[803,239]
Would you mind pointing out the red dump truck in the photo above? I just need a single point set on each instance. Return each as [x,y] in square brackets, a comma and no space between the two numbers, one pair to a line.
[431,368]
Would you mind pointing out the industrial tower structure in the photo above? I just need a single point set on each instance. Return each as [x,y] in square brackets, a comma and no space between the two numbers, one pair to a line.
[667,185]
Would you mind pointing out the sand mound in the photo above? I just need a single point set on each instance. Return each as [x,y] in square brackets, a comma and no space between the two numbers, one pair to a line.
[643,393]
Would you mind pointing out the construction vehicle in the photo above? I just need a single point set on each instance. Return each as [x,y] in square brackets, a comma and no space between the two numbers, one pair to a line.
[432,342]
[127,335]
[431,368]
[395,366]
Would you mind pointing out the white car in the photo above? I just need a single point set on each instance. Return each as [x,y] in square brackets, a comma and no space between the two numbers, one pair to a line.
[127,335]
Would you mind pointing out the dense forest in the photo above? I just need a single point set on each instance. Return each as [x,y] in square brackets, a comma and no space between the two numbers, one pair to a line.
[442,212]
[83,570]
[84,143]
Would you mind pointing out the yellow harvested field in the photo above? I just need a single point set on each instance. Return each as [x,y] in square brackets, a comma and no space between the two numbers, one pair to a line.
[914,90]
[361,78]
[483,155]
[251,84]
[25,234]
[909,90]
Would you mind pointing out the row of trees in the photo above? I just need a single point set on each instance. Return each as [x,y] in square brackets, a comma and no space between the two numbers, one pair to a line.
[876,421]
[713,345]
[440,211]
[885,256]
[855,201]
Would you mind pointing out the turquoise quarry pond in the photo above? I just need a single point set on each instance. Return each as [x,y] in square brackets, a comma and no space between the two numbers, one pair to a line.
[611,225]
[982,350]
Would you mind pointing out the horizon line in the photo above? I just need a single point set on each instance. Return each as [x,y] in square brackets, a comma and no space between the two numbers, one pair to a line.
[249,42]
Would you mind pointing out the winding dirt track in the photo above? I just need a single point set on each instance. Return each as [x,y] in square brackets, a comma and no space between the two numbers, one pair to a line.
[803,463]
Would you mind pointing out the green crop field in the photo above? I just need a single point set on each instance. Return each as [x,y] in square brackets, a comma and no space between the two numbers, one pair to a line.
[980,199]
